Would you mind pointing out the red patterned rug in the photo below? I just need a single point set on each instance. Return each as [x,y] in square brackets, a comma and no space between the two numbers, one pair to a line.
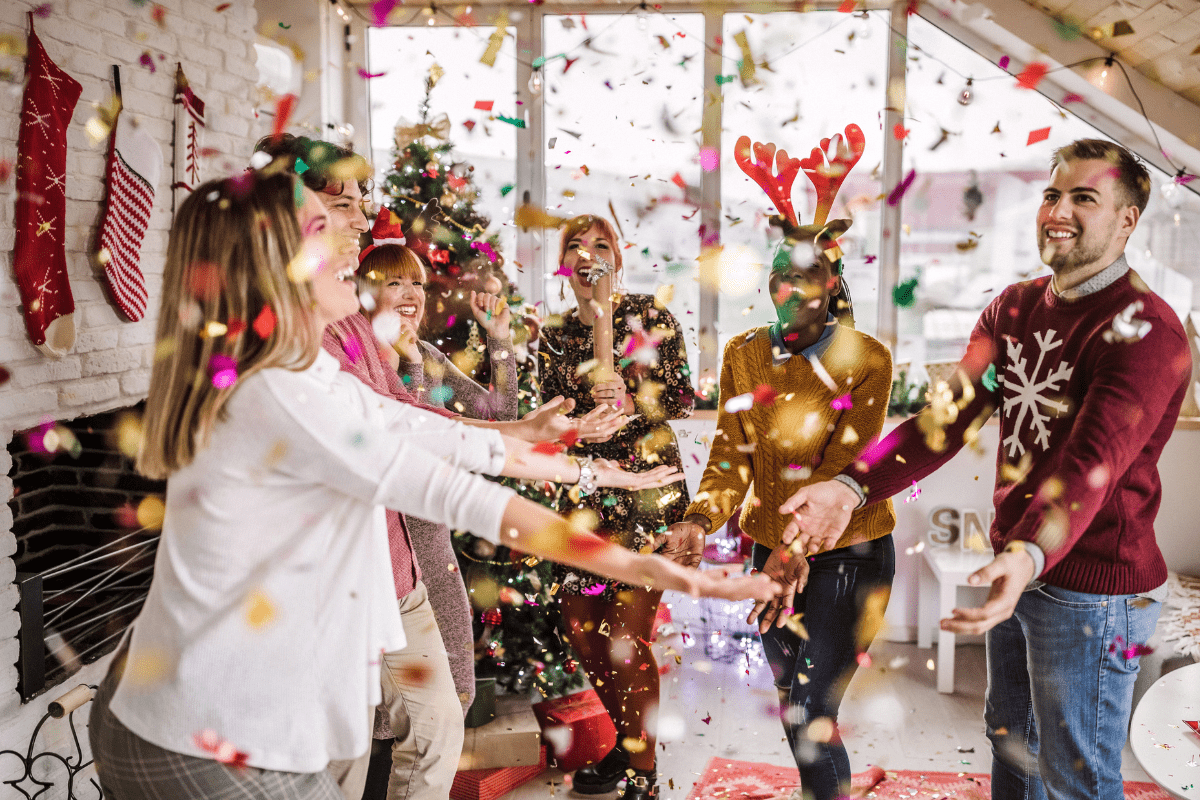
[724,779]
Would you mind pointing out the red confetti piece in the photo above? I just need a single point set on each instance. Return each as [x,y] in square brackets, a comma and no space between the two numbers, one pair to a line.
[864,660]
[5,170]
[264,323]
[902,187]
[899,131]
[222,7]
[707,719]
[549,448]
[223,751]
[158,14]
[469,124]
[236,326]
[1193,724]
[1032,75]
[1040,135]
[765,394]
[147,61]
[484,105]
[366,76]
[570,437]
[1072,98]
[42,11]
[678,180]
[847,6]
[283,113]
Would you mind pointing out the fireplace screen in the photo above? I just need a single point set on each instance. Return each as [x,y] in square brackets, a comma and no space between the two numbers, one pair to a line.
[87,527]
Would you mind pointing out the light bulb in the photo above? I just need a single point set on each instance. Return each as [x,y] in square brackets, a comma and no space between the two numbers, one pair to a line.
[967,94]
[535,83]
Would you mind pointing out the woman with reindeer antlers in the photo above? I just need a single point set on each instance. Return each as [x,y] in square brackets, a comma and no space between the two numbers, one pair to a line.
[609,623]
[820,393]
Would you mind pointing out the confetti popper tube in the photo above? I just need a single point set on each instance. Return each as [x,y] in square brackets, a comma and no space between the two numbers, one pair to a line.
[71,701]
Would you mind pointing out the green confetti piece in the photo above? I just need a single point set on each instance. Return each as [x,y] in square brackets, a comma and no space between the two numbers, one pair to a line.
[1068,29]
[723,79]
[989,378]
[624,362]
[516,123]
[904,294]
[285,27]
[506,188]
[441,394]
[724,465]
[645,251]
[301,167]
[609,502]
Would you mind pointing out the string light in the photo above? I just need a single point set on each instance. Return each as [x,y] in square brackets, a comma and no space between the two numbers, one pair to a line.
[535,82]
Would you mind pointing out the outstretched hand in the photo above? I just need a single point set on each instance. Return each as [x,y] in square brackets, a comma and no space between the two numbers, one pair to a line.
[1008,573]
[549,421]
[609,473]
[724,583]
[683,543]
[820,513]
[599,424]
[787,566]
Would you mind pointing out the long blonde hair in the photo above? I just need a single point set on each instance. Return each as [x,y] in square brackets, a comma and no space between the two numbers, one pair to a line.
[228,310]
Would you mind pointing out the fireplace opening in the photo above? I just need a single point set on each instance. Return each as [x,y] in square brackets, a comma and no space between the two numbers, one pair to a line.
[87,528]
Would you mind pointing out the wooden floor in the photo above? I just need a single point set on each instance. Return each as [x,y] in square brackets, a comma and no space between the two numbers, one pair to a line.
[892,715]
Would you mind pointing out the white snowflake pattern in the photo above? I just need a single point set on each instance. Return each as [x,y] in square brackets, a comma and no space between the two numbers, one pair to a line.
[1028,396]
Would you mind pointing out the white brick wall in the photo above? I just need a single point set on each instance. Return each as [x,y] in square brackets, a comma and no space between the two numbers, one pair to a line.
[110,365]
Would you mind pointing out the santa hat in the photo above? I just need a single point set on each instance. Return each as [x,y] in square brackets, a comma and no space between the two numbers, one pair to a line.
[386,230]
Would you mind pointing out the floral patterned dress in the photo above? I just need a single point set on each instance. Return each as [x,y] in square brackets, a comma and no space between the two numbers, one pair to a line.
[651,358]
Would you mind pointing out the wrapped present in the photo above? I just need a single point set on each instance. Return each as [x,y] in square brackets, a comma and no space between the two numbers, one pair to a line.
[512,739]
[488,784]
[577,729]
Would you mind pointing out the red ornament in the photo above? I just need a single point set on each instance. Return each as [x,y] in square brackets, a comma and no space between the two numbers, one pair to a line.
[492,616]
[570,665]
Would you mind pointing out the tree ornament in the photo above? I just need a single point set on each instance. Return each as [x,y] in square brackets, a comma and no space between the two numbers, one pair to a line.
[570,666]
[491,616]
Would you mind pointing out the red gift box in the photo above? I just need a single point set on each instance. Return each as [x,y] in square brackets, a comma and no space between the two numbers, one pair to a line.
[579,726]
[488,784]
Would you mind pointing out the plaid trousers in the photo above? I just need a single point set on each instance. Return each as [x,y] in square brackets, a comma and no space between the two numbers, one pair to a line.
[130,768]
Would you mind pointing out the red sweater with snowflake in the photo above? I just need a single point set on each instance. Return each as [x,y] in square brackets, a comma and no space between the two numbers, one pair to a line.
[1089,390]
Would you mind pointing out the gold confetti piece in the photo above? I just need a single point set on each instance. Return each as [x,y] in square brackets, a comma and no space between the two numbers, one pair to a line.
[632,745]
[664,294]
[496,40]
[276,454]
[586,367]
[129,434]
[259,611]
[849,436]
[150,512]
[214,329]
[820,730]
[747,64]
[822,373]
[529,216]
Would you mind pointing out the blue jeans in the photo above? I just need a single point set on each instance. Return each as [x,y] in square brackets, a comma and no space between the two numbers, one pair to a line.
[1057,668]
[815,672]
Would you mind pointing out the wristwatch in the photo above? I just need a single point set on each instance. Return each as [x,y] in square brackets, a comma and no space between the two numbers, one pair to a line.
[587,476]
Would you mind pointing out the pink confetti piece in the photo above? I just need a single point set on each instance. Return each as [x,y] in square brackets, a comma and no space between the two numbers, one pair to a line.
[1184,180]
[1132,651]
[380,10]
[223,751]
[366,76]
[841,403]
[707,720]
[1003,62]
[914,493]
[902,187]
[147,61]
[223,369]
[42,11]
[1072,98]
[1040,135]
[450,320]
[710,158]
[564,270]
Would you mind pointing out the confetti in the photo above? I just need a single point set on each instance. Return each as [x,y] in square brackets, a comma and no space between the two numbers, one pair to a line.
[989,378]
[743,402]
[495,41]
[549,448]
[222,7]
[514,121]
[264,323]
[146,60]
[224,752]
[223,369]
[366,76]
[904,294]
[42,11]
[380,10]
[484,105]
[899,131]
[1003,62]
[159,15]
[1070,98]
[1040,135]
[707,720]
[1032,75]
[1132,651]
[283,114]
[765,394]
[902,187]
[914,493]
[259,611]
[710,158]
[746,65]
[151,511]
[841,403]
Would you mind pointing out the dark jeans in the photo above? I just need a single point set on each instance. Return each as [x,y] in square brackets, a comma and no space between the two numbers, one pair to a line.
[815,672]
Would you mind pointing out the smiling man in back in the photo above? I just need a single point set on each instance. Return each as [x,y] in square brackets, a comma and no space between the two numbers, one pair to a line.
[1088,368]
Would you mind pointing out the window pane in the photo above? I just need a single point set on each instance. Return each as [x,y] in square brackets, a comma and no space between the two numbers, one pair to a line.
[826,70]
[405,55]
[622,121]
[969,218]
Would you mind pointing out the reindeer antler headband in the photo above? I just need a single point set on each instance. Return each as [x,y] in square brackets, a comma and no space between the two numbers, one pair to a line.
[826,167]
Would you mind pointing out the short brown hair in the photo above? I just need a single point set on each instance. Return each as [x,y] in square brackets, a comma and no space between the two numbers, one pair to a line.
[385,261]
[329,165]
[1132,176]
[580,225]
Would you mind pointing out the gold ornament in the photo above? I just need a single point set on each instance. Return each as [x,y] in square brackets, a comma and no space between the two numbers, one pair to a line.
[407,132]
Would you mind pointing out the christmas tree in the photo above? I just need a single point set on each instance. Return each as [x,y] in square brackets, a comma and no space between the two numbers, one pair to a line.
[452,235]
[516,613]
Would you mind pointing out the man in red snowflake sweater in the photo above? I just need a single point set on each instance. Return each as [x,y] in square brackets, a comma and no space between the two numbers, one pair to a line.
[1088,368]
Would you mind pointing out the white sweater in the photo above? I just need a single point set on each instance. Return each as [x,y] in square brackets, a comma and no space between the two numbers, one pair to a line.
[272,596]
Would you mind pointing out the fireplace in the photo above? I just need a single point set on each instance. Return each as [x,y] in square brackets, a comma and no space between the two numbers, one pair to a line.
[86,529]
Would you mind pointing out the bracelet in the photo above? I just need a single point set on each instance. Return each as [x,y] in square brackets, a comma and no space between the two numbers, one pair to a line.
[587,476]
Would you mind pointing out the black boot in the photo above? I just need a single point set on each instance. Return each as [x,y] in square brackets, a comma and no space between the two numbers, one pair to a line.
[642,786]
[604,775]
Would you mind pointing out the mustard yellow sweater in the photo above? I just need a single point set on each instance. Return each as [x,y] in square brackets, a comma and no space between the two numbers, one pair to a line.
[761,456]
